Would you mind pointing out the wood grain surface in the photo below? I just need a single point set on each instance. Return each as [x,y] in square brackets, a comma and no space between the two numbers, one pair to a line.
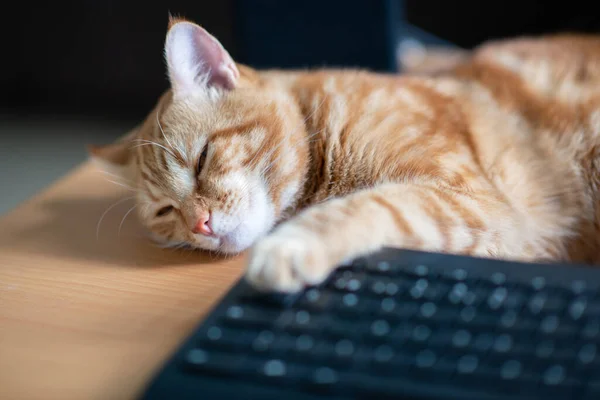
[87,316]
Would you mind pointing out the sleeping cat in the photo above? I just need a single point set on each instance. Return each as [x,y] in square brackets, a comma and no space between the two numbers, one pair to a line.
[496,157]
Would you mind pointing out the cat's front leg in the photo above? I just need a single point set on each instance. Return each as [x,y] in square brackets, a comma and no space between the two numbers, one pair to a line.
[304,250]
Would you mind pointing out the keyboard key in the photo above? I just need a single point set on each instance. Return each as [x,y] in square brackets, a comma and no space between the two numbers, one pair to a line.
[588,354]
[304,343]
[461,339]
[421,270]
[427,310]
[380,328]
[421,333]
[391,289]
[515,299]
[498,278]
[378,287]
[374,358]
[280,372]
[317,300]
[302,317]
[383,353]
[344,348]
[425,359]
[578,286]
[312,295]
[219,363]
[250,316]
[235,312]
[457,274]
[383,266]
[325,376]
[537,302]
[300,322]
[263,341]
[353,285]
[436,291]
[467,364]
[388,305]
[538,283]
[349,304]
[418,290]
[549,324]
[214,333]
[503,343]
[497,298]
[274,368]
[509,319]
[511,370]
[475,296]
[554,375]
[468,314]
[577,308]
[227,338]
[350,300]
[197,357]
[457,293]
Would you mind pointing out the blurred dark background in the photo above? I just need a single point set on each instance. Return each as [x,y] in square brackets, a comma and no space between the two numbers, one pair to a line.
[75,72]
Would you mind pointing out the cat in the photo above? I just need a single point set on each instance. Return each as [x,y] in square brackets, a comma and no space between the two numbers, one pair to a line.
[496,156]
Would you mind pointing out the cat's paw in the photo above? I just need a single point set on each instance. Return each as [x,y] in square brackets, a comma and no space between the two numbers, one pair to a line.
[287,263]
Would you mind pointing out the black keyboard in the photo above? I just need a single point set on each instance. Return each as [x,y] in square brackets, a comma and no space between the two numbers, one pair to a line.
[401,325]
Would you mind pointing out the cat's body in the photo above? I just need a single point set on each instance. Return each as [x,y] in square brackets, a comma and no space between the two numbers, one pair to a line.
[495,158]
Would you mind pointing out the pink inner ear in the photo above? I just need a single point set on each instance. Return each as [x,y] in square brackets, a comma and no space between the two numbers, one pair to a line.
[192,51]
[221,68]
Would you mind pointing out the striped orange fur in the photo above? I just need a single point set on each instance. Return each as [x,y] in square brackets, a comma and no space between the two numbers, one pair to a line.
[495,157]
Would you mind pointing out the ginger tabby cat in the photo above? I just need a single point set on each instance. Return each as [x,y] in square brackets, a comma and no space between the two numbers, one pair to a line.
[497,157]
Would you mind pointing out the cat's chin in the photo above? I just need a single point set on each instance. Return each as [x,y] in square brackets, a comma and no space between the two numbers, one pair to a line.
[236,242]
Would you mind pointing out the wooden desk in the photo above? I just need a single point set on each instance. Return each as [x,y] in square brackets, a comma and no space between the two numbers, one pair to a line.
[87,318]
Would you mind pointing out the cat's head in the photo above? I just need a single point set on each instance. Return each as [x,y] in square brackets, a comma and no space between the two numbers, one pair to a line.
[221,156]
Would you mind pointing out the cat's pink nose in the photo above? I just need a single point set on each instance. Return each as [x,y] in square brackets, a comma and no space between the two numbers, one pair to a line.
[203,224]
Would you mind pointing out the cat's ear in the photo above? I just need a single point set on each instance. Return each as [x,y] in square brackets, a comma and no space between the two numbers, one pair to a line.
[196,60]
[116,158]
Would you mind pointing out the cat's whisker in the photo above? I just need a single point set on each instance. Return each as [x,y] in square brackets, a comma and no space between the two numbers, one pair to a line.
[174,148]
[123,220]
[122,185]
[111,174]
[118,179]
[107,211]
[148,142]
[163,132]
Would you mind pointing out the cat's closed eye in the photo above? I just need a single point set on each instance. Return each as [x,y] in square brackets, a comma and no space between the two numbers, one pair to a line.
[202,160]
[164,211]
